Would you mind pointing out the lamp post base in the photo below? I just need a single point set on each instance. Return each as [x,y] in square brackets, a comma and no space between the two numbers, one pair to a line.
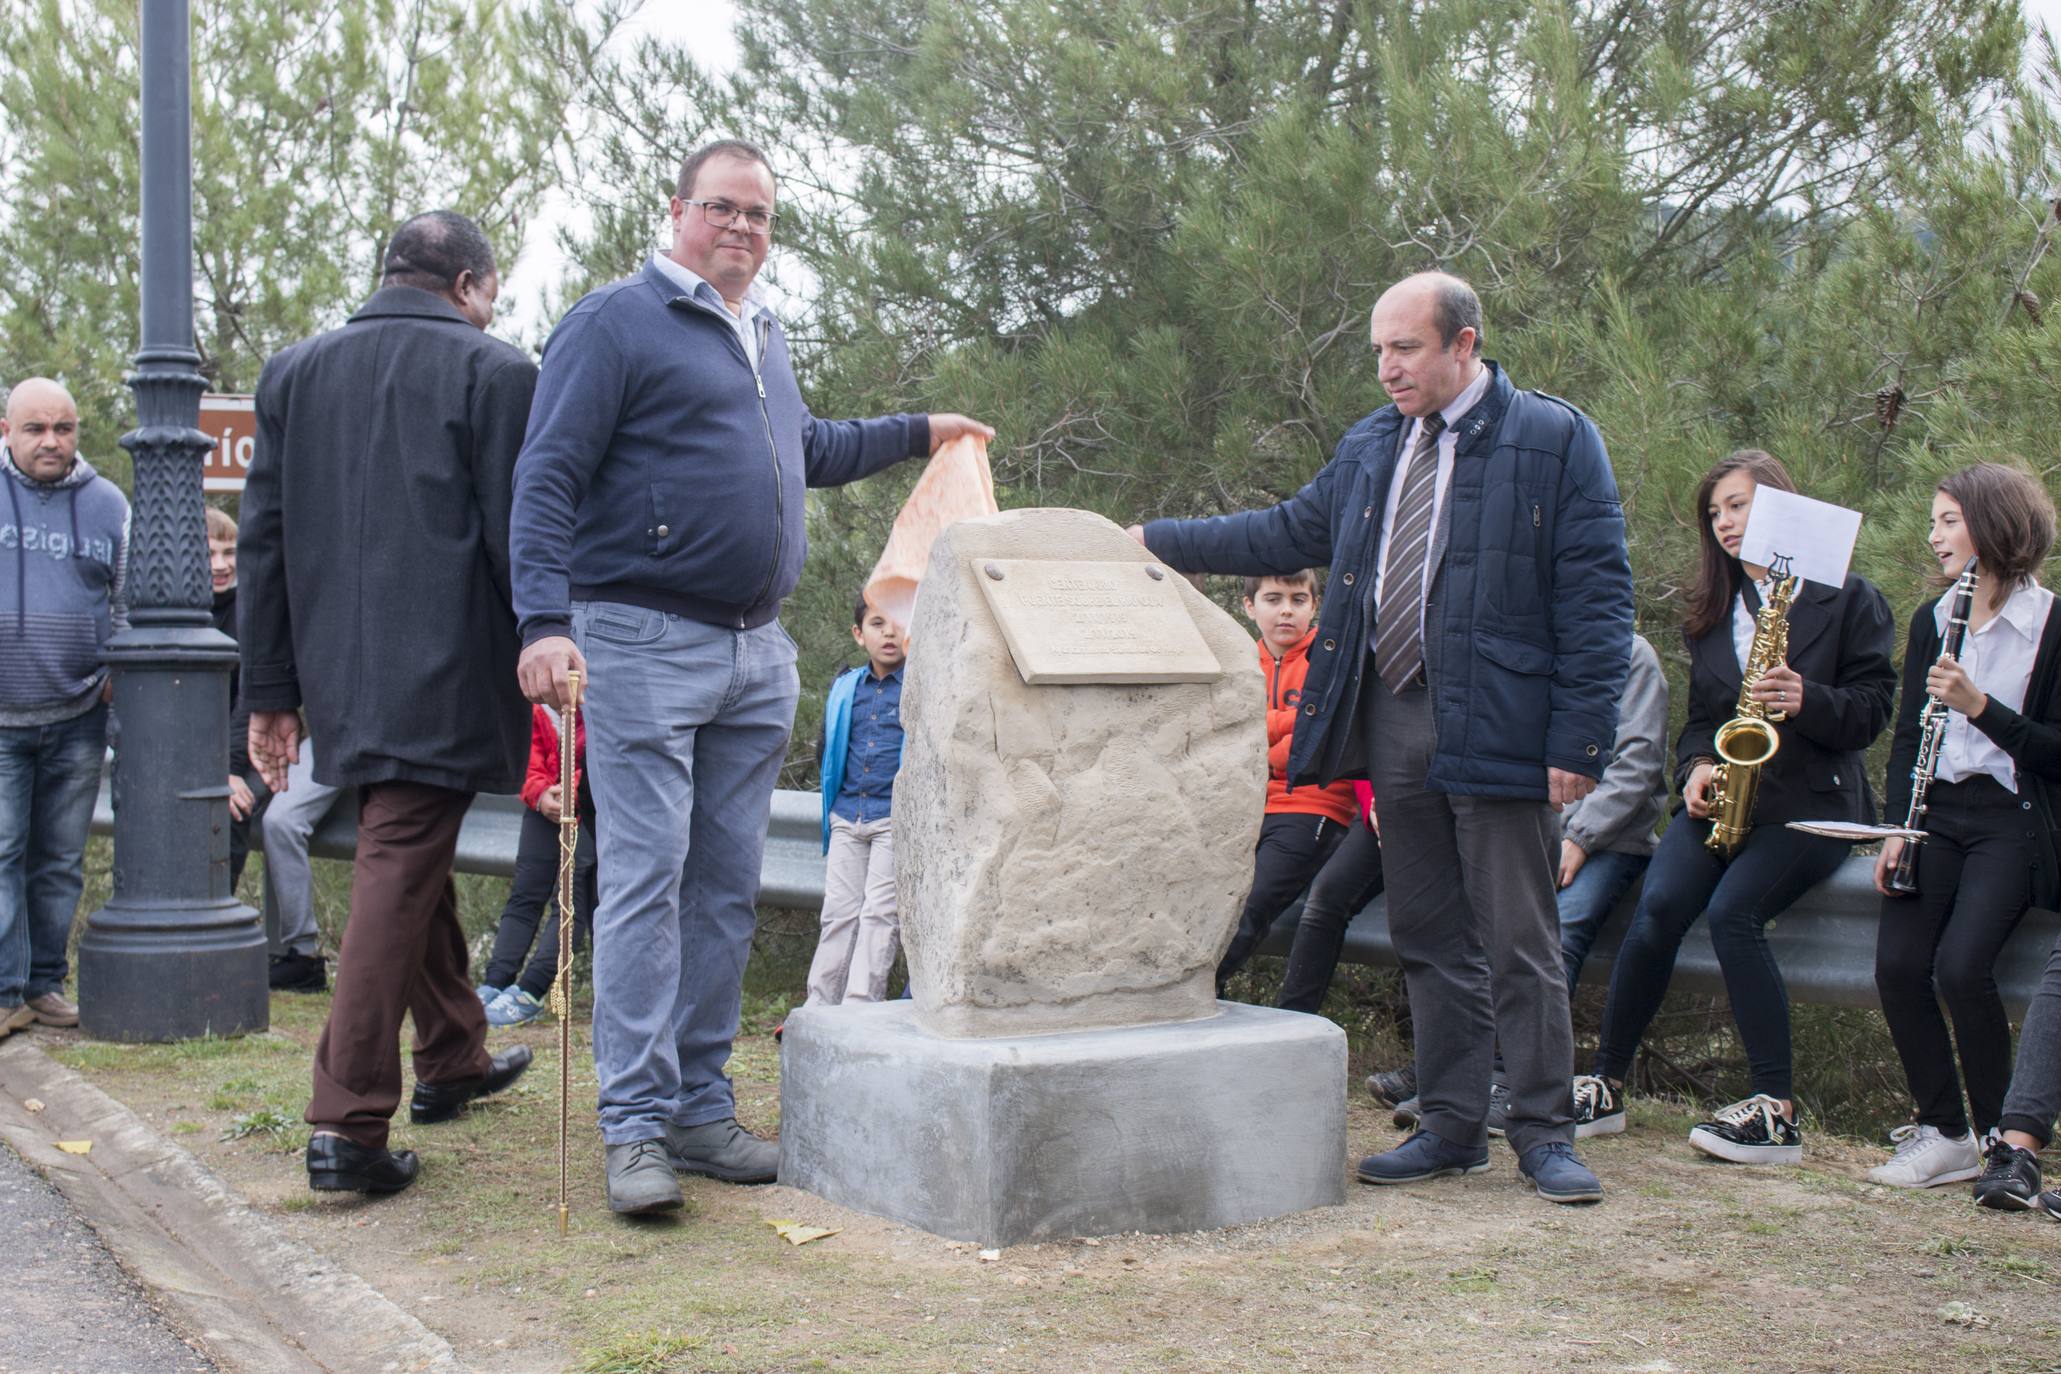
[173,974]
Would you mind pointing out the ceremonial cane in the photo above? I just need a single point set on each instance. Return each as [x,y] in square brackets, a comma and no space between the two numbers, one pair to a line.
[561,986]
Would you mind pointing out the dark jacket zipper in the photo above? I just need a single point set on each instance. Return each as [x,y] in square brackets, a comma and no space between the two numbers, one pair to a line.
[760,328]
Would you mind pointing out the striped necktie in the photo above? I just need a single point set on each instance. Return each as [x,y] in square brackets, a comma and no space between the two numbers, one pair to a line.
[1399,620]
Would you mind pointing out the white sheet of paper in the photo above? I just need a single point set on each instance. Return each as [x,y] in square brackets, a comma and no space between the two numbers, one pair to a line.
[1816,537]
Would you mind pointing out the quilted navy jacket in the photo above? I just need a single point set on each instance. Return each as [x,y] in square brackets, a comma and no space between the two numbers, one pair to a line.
[1528,633]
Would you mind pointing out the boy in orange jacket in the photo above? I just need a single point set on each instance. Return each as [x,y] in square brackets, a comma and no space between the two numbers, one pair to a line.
[1302,825]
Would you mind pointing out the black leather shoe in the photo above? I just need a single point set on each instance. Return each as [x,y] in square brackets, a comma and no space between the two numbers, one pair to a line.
[337,1165]
[291,972]
[434,1102]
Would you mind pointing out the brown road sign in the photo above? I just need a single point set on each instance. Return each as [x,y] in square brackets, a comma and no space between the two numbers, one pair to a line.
[233,424]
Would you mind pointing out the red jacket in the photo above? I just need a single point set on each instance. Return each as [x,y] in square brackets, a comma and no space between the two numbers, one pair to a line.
[543,771]
[1284,697]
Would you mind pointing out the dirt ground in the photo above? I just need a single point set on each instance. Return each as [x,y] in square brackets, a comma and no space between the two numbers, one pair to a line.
[1688,1265]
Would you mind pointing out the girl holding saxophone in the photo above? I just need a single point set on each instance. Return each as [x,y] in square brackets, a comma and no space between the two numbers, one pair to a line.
[1987,758]
[1819,699]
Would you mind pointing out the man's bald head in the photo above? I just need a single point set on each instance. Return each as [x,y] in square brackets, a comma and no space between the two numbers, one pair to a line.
[41,428]
[1427,340]
[1454,306]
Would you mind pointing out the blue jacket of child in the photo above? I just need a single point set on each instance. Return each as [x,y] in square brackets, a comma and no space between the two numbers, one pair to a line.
[837,739]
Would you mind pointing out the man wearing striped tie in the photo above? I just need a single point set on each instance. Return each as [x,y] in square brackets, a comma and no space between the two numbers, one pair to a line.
[1469,661]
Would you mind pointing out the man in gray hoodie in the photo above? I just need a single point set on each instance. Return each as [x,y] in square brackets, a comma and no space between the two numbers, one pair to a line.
[64,546]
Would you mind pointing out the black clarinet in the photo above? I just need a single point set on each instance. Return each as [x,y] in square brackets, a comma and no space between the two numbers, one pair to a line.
[1932,724]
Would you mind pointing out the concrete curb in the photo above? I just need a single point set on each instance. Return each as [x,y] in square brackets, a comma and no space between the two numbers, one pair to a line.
[258,1301]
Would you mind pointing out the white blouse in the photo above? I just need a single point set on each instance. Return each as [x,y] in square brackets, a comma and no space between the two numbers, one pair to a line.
[1998,658]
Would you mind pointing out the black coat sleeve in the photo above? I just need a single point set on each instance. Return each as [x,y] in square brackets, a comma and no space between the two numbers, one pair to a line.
[269,680]
[1920,649]
[1845,714]
[501,411]
[1698,740]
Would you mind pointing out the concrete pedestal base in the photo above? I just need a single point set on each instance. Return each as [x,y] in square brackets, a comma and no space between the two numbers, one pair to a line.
[1160,1128]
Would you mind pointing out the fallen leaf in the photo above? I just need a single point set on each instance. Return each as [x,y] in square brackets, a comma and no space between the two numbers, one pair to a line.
[1961,1314]
[34,1104]
[989,1256]
[75,1147]
[794,1233]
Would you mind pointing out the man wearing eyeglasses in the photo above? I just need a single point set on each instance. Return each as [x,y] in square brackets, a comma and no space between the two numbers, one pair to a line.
[658,525]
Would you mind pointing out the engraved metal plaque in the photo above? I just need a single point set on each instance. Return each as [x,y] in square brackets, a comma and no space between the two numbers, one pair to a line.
[1071,622]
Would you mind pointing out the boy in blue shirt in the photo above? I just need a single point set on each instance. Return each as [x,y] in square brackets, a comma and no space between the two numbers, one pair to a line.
[862,749]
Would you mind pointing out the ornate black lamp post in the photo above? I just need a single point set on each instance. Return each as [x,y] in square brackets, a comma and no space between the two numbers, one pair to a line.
[173,954]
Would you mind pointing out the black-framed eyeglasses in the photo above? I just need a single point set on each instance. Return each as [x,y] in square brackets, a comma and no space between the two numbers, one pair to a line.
[723,215]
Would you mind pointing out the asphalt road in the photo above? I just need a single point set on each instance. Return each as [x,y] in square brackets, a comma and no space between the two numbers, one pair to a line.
[65,1306]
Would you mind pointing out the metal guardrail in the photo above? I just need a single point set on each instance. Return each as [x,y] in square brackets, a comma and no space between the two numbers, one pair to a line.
[1825,943]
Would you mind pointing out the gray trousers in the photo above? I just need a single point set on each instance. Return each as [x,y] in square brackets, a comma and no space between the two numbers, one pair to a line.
[2035,1097]
[1471,908]
[855,951]
[287,825]
[686,729]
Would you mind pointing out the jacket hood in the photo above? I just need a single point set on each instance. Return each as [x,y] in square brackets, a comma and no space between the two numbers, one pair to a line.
[81,473]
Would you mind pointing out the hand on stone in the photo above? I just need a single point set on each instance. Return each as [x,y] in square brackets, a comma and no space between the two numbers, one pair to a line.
[1136,532]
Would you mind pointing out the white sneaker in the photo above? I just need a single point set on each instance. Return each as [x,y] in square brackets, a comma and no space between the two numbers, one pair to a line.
[1925,1158]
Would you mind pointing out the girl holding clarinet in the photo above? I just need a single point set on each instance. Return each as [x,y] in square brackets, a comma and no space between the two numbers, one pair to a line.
[1987,721]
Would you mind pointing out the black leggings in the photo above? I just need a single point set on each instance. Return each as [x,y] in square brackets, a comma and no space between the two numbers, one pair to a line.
[1776,866]
[1974,884]
[535,887]
[1349,880]
[1291,850]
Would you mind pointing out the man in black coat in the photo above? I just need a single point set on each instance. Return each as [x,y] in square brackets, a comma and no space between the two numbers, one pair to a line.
[374,559]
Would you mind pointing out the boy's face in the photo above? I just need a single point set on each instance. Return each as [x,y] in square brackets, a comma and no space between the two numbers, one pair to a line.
[1282,611]
[222,562]
[881,638]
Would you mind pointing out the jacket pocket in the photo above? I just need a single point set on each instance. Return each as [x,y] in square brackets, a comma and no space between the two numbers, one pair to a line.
[620,624]
[1512,697]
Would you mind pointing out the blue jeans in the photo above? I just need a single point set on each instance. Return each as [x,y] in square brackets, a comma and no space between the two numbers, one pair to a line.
[49,776]
[1586,903]
[687,726]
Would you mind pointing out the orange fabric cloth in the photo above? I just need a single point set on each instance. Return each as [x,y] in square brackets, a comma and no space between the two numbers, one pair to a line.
[1284,699]
[956,485]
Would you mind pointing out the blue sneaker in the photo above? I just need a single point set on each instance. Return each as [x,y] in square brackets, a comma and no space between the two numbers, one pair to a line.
[1558,1174]
[514,1007]
[1423,1156]
[487,992]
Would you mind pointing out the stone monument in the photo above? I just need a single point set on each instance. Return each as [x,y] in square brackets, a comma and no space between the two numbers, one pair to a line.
[1082,782]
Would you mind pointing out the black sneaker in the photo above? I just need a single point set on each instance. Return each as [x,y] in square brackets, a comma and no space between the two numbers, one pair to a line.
[1498,1110]
[2050,1203]
[1753,1131]
[1393,1087]
[1598,1107]
[1407,1113]
[293,972]
[2010,1179]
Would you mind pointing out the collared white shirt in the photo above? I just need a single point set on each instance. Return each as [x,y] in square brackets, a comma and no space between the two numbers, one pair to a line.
[1448,444]
[1998,659]
[1745,621]
[692,284]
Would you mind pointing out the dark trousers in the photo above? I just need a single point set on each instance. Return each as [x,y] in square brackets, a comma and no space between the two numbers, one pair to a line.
[1775,867]
[1291,851]
[1974,884]
[1470,906]
[2035,1098]
[403,952]
[535,888]
[1349,880]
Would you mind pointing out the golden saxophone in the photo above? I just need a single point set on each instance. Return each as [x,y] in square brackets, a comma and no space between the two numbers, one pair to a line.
[1748,740]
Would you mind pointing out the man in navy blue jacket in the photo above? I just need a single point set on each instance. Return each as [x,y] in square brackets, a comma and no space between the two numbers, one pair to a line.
[1469,661]
[658,525]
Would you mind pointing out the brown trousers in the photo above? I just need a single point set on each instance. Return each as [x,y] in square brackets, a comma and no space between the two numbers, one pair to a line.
[403,951]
